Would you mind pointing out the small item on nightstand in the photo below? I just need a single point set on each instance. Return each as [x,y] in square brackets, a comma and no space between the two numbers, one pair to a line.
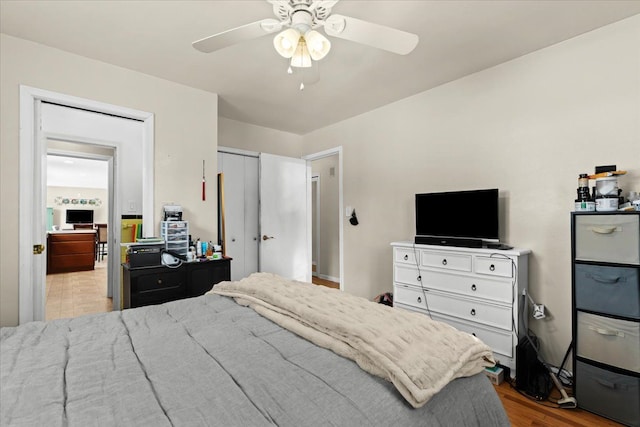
[583,201]
[198,248]
[495,374]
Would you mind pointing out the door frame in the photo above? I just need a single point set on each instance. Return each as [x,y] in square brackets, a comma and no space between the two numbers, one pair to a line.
[32,149]
[320,155]
[315,238]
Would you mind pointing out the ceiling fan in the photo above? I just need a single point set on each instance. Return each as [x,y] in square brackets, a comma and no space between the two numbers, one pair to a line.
[299,39]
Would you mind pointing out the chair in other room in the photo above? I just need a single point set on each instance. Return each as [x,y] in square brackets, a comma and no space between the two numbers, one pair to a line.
[101,241]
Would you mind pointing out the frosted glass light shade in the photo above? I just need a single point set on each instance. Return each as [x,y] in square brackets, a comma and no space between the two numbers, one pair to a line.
[286,42]
[317,44]
[301,58]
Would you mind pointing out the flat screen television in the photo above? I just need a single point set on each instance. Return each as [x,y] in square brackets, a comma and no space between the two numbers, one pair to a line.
[457,218]
[79,216]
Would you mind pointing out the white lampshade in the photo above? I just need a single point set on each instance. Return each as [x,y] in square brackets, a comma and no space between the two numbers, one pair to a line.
[286,42]
[317,44]
[301,57]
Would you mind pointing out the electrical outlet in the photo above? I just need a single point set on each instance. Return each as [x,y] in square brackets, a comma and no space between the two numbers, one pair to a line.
[538,311]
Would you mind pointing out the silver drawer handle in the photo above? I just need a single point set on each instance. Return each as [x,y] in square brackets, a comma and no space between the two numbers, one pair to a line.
[604,230]
[473,311]
[419,299]
[492,267]
[444,261]
[419,278]
[406,257]
[473,287]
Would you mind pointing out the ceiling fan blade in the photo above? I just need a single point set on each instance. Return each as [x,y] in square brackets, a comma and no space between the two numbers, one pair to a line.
[237,35]
[370,34]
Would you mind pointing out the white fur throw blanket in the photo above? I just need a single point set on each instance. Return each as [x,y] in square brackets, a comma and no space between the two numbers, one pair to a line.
[418,355]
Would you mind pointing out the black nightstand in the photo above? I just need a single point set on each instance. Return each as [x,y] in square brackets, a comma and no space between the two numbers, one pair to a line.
[158,284]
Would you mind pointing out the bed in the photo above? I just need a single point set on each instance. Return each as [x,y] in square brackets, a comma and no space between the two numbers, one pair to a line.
[221,359]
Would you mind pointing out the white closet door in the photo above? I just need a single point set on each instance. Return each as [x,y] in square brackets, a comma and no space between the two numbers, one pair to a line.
[285,204]
[251,221]
[241,212]
[233,170]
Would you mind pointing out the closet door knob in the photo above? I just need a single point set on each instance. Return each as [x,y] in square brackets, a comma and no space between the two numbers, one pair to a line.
[265,237]
[473,311]
[444,261]
[406,257]
[492,267]
[473,287]
[420,299]
[419,278]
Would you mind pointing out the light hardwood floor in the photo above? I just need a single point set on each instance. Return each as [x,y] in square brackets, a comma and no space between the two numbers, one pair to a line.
[328,283]
[78,293]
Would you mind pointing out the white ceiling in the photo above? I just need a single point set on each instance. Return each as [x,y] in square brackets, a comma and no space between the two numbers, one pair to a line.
[76,172]
[457,38]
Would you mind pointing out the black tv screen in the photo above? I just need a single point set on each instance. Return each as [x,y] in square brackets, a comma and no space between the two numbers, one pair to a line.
[79,216]
[458,214]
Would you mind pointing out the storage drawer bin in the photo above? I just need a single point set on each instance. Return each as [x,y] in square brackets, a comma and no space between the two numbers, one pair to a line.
[611,341]
[608,238]
[448,261]
[610,290]
[609,394]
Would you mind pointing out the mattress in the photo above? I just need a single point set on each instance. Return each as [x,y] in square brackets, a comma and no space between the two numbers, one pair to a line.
[206,361]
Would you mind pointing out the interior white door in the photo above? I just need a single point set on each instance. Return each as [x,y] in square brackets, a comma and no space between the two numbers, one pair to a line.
[232,166]
[251,215]
[285,203]
[38,223]
[241,212]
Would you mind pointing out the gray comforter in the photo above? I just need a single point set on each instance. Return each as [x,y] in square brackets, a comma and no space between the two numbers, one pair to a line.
[205,361]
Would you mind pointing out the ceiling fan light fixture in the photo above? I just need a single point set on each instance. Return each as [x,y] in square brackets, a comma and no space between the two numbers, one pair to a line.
[286,42]
[301,58]
[317,44]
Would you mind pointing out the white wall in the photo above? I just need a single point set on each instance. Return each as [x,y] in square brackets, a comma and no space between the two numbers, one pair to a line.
[244,136]
[186,130]
[100,213]
[527,127]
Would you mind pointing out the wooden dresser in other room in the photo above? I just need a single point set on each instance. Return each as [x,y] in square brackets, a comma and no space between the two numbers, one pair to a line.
[70,250]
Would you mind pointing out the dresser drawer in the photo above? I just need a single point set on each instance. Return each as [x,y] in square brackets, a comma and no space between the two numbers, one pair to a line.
[608,238]
[406,256]
[609,394]
[494,266]
[611,341]
[610,290]
[448,261]
[474,311]
[158,281]
[499,340]
[475,287]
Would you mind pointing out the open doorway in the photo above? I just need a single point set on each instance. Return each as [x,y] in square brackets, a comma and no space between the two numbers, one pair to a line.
[326,207]
[78,206]
[50,115]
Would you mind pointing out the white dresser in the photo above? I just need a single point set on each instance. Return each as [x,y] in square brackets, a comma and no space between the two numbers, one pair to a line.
[475,290]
